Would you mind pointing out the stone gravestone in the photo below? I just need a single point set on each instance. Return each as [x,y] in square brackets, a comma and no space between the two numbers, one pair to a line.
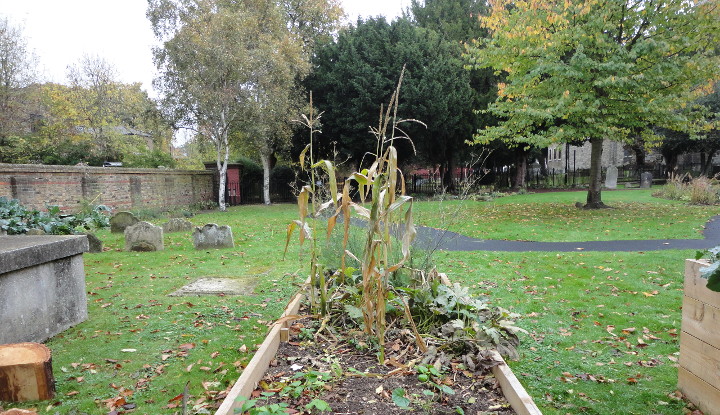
[212,236]
[177,225]
[96,245]
[122,220]
[646,180]
[611,177]
[144,237]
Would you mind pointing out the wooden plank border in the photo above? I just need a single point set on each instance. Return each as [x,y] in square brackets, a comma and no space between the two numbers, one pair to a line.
[699,341]
[514,392]
[260,362]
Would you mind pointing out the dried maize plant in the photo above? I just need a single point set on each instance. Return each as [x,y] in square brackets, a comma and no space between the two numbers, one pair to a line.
[308,208]
[383,206]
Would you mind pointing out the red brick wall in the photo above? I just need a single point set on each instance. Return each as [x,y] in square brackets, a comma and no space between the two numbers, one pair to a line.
[122,189]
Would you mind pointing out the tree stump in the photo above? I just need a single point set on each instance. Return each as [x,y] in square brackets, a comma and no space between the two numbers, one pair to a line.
[26,372]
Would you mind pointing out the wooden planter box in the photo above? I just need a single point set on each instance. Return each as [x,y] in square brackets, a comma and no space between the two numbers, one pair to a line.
[514,392]
[699,371]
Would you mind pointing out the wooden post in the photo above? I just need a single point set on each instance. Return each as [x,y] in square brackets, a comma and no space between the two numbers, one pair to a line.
[26,372]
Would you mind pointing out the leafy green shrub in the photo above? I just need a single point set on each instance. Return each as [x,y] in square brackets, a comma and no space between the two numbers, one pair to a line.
[15,219]
[251,171]
[150,160]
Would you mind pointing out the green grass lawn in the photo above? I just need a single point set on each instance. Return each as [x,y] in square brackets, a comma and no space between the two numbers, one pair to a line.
[603,327]
[553,217]
[140,347]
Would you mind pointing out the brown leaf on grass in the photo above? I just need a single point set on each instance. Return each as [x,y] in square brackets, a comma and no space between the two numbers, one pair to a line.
[214,355]
[165,357]
[610,329]
[176,398]
[187,346]
[652,294]
[72,393]
[114,403]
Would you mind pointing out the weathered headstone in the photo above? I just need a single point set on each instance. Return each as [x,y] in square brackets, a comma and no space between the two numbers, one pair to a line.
[611,177]
[122,220]
[212,236]
[144,237]
[646,180]
[96,245]
[177,225]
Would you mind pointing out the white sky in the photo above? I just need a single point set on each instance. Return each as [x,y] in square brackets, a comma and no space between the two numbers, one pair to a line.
[60,32]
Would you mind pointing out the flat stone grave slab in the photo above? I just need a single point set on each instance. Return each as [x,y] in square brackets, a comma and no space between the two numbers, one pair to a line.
[217,286]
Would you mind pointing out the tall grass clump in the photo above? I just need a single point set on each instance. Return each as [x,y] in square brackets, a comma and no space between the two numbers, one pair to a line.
[698,191]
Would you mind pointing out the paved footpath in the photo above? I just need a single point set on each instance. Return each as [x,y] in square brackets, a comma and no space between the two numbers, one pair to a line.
[431,238]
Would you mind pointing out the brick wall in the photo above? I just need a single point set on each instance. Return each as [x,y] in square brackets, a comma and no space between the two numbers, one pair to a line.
[122,189]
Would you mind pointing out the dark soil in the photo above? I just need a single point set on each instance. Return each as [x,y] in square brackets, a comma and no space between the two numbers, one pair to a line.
[360,385]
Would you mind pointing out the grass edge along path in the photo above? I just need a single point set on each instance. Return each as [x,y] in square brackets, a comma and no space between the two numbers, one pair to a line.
[553,217]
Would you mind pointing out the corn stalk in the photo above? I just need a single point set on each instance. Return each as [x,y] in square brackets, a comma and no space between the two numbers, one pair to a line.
[389,208]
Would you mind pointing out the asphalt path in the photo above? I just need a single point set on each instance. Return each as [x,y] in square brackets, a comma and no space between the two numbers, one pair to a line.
[431,238]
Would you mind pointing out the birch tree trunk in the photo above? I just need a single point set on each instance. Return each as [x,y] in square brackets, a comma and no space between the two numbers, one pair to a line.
[265,157]
[223,155]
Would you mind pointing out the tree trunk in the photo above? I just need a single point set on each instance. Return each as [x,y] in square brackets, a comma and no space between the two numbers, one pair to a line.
[706,162]
[266,159]
[222,162]
[26,372]
[671,159]
[447,179]
[520,168]
[594,198]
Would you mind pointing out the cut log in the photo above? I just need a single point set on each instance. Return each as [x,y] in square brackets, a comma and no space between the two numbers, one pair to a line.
[19,412]
[26,372]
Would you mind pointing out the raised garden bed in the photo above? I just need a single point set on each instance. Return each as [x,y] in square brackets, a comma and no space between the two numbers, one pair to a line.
[698,377]
[516,396]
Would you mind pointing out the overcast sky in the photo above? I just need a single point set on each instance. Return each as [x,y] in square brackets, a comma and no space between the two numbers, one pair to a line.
[60,32]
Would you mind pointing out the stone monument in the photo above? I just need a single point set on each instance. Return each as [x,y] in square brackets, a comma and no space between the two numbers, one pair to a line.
[212,236]
[646,180]
[122,220]
[611,177]
[144,237]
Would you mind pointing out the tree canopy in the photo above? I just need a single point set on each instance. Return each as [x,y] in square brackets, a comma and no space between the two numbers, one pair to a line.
[235,66]
[595,69]
[358,71]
